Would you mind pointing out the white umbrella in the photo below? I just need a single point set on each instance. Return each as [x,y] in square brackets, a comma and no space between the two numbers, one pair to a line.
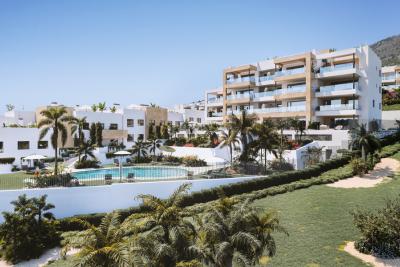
[33,157]
[121,154]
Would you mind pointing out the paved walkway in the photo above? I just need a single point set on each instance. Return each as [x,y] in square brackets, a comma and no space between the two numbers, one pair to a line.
[374,261]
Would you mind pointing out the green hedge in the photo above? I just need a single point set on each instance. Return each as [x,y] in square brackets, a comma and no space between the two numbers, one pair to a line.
[7,160]
[50,160]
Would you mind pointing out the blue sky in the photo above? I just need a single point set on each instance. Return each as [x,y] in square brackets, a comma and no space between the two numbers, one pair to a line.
[165,52]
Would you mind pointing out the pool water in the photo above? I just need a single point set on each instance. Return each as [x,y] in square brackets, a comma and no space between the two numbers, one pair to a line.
[144,173]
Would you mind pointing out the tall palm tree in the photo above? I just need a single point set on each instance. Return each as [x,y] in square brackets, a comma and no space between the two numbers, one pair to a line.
[281,125]
[231,140]
[154,144]
[243,125]
[54,118]
[103,245]
[267,140]
[362,139]
[85,150]
[140,148]
[77,126]
[210,130]
[298,125]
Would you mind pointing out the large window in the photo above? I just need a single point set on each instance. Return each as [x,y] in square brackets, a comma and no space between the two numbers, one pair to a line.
[198,120]
[1,147]
[43,144]
[130,122]
[130,138]
[140,122]
[22,145]
[113,126]
[86,126]
[140,137]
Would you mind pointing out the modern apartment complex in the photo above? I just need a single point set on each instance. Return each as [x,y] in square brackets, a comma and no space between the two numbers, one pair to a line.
[330,87]
[391,77]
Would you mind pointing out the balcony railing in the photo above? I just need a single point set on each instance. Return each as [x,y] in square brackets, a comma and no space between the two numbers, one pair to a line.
[215,114]
[338,87]
[289,72]
[239,96]
[336,67]
[339,107]
[280,109]
[266,78]
[241,80]
[214,100]
[289,90]
[388,77]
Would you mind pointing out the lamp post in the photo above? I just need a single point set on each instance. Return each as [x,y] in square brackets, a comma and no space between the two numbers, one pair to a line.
[121,154]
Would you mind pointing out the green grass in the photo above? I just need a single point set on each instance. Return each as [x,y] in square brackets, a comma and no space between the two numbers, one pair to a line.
[319,222]
[13,180]
[391,107]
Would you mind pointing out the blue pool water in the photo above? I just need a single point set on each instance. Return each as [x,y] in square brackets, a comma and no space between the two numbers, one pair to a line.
[145,173]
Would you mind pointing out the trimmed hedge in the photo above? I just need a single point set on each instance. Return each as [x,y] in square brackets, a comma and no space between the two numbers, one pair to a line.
[7,160]
[50,160]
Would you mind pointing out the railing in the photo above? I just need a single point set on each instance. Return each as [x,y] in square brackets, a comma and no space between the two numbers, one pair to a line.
[241,80]
[239,96]
[289,90]
[215,114]
[289,72]
[338,87]
[339,107]
[214,100]
[280,109]
[388,77]
[336,67]
[266,78]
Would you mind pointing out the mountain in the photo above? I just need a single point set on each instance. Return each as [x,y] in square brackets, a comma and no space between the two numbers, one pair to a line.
[388,50]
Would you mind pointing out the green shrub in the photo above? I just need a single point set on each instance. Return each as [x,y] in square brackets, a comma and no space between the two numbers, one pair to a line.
[193,161]
[380,231]
[7,160]
[83,164]
[169,142]
[51,181]
[110,155]
[278,165]
[172,159]
[50,160]
[180,141]
[142,160]
[360,166]
[29,230]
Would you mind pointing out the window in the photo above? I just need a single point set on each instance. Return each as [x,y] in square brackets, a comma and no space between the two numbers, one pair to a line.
[198,120]
[23,145]
[113,126]
[177,123]
[130,138]
[1,147]
[140,137]
[373,103]
[86,126]
[43,145]
[130,122]
[140,122]
[191,119]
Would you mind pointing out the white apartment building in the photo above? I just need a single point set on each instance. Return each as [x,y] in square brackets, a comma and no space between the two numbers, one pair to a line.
[330,87]
[391,77]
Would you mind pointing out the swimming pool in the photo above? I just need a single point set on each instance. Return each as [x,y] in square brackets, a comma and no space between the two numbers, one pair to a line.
[139,172]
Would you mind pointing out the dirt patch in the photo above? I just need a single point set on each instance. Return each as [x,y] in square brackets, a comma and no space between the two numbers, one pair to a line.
[382,171]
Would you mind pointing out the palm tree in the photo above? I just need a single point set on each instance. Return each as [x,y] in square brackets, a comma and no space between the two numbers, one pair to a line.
[210,130]
[86,149]
[103,245]
[243,125]
[77,126]
[298,125]
[140,148]
[154,144]
[239,236]
[101,106]
[361,139]
[169,233]
[94,107]
[54,118]
[231,140]
[267,139]
[189,128]
[281,125]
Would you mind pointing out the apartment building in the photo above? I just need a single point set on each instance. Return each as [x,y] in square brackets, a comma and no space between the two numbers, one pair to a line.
[391,77]
[330,87]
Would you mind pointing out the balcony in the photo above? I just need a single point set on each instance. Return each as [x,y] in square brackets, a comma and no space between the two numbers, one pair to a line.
[338,90]
[237,98]
[280,109]
[240,82]
[215,115]
[388,78]
[346,69]
[291,74]
[215,101]
[279,93]
[338,110]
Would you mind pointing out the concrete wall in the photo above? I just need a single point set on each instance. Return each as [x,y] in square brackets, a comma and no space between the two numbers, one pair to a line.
[93,199]
[389,118]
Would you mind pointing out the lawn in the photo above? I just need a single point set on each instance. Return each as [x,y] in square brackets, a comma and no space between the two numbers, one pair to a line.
[319,222]
[13,180]
[391,107]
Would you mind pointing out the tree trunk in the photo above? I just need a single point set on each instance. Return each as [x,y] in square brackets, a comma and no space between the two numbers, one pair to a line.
[363,155]
[230,152]
[56,148]
[265,161]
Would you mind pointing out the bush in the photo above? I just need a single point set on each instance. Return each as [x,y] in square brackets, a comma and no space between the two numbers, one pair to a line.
[110,155]
[278,165]
[7,160]
[359,166]
[83,164]
[24,235]
[169,142]
[193,161]
[142,160]
[172,159]
[50,160]
[380,231]
[180,141]
[51,181]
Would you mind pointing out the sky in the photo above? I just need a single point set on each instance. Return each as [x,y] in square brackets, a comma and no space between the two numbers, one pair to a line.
[163,52]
